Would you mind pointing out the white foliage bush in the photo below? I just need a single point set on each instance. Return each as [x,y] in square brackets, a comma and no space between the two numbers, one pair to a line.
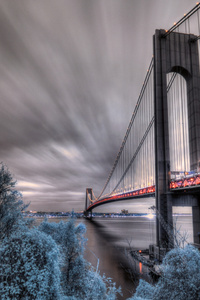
[29,267]
[79,279]
[180,277]
[44,263]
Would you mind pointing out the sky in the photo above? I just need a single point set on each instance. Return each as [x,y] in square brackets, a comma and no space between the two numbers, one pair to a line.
[70,74]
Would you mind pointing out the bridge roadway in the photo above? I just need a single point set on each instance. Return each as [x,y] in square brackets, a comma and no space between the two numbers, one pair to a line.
[184,184]
[141,193]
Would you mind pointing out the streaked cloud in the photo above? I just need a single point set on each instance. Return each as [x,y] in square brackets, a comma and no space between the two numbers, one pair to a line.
[70,74]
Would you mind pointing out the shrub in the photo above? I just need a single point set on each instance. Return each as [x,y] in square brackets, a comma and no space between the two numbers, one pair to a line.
[29,267]
[180,277]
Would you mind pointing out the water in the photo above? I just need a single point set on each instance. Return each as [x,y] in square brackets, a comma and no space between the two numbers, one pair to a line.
[107,238]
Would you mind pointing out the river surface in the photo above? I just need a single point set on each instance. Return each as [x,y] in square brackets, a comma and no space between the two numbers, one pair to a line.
[107,238]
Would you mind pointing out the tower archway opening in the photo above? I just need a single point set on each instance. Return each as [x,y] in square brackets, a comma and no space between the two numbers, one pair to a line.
[178,123]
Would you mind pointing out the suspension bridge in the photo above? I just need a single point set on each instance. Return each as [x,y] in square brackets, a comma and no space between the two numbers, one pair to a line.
[160,153]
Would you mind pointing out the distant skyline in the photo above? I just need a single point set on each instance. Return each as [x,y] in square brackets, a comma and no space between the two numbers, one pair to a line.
[71,72]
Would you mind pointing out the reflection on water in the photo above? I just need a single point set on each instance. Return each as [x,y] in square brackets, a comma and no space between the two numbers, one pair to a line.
[107,238]
[112,261]
[137,232]
[140,266]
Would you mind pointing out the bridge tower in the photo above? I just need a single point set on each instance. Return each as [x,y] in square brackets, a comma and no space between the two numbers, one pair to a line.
[175,52]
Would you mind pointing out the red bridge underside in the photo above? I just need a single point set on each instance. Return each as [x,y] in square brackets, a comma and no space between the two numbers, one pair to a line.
[185,182]
[148,191]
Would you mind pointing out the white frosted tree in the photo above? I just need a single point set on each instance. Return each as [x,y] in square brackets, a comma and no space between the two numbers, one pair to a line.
[11,205]
[29,267]
[79,278]
[180,277]
[45,263]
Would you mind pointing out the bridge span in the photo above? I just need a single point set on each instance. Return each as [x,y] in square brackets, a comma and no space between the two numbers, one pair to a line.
[160,153]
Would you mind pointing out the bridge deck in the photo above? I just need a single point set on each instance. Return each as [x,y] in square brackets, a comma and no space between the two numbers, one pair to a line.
[185,183]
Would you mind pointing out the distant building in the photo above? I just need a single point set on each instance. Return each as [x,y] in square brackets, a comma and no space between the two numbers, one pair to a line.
[124,211]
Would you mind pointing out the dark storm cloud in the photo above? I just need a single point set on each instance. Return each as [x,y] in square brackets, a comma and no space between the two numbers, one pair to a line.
[70,74]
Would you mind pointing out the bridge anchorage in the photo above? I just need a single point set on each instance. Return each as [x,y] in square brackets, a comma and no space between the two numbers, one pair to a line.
[160,153]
